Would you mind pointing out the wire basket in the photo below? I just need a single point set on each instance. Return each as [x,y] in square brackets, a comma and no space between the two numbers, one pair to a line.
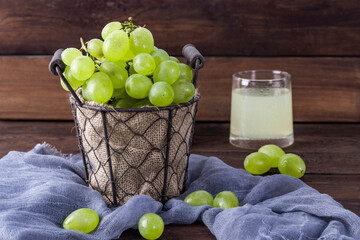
[131,151]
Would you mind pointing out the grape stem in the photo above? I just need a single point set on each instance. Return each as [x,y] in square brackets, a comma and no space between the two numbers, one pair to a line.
[83,46]
[129,26]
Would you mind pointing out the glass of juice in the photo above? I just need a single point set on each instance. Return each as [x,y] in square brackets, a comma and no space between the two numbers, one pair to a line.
[261,109]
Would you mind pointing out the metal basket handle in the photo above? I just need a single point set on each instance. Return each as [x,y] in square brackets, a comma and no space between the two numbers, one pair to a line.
[193,58]
[57,67]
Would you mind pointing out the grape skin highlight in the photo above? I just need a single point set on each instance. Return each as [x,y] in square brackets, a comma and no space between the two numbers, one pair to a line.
[109,28]
[167,71]
[94,47]
[82,68]
[226,200]
[116,45]
[117,74]
[199,198]
[161,94]
[185,72]
[144,64]
[184,91]
[292,164]
[151,226]
[74,83]
[159,56]
[257,163]
[69,54]
[84,220]
[100,87]
[84,92]
[274,152]
[141,41]
[138,86]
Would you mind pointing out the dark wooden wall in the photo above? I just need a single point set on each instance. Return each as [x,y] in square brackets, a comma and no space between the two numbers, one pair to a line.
[317,41]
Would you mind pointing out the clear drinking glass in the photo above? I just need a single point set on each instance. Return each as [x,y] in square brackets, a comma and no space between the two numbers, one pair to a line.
[261,109]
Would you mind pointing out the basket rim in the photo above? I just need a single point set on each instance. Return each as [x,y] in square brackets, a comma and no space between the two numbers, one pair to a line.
[196,98]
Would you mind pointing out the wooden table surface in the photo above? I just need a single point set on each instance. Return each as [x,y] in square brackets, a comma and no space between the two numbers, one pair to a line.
[331,152]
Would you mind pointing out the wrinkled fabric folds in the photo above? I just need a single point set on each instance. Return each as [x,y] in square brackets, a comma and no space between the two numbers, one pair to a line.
[39,188]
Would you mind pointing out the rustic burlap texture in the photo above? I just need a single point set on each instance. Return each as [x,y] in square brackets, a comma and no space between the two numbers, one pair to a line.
[137,143]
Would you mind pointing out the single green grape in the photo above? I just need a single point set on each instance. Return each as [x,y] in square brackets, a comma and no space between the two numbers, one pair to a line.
[84,220]
[94,47]
[74,83]
[159,56]
[167,71]
[142,103]
[184,91]
[144,64]
[151,226]
[161,94]
[199,198]
[119,93]
[226,200]
[82,68]
[116,45]
[100,87]
[185,72]
[274,152]
[141,41]
[85,93]
[69,54]
[117,74]
[174,59]
[292,164]
[138,86]
[129,55]
[109,28]
[257,163]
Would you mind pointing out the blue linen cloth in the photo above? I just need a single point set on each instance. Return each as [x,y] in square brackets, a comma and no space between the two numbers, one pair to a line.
[38,189]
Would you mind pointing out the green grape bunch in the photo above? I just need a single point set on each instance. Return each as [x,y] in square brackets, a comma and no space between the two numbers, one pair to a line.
[125,69]
[272,156]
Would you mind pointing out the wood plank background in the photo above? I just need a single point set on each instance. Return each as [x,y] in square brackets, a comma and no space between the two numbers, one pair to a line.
[232,27]
[316,41]
[324,89]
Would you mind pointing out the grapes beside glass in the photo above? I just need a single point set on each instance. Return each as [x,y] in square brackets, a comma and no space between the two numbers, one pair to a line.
[268,156]
[272,156]
[126,70]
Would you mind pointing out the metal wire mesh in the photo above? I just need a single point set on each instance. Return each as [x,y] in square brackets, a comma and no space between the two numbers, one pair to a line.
[135,151]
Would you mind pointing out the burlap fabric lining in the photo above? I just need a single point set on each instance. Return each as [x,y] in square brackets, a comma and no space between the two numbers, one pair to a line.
[137,142]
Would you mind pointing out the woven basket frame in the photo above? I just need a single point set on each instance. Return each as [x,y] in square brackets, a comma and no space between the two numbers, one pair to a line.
[136,162]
